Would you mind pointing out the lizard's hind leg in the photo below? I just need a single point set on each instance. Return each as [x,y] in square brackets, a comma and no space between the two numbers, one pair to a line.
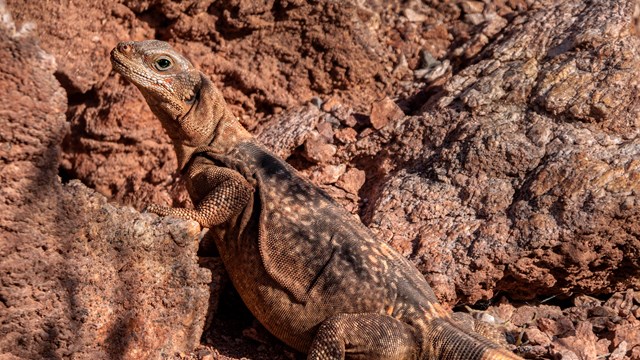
[363,336]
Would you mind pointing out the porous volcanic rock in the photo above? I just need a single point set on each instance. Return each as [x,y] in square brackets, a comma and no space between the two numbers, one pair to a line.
[528,177]
[79,277]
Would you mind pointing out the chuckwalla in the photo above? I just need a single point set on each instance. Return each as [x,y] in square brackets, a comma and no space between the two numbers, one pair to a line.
[310,272]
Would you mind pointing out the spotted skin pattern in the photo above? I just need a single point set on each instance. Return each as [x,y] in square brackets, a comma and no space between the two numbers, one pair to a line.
[311,273]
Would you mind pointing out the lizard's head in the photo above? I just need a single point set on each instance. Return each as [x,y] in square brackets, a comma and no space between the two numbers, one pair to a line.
[190,107]
[171,86]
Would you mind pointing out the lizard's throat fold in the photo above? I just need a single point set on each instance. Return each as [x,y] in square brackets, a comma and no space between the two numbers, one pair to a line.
[197,130]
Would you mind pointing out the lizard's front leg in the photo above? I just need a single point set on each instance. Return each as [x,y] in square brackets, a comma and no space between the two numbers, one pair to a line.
[223,193]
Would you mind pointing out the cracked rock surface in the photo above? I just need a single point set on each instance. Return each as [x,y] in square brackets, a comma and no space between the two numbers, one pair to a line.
[530,184]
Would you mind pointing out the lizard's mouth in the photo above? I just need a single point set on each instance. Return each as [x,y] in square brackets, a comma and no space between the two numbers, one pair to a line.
[122,65]
[119,64]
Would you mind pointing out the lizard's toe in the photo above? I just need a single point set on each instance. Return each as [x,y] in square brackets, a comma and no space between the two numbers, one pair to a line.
[157,209]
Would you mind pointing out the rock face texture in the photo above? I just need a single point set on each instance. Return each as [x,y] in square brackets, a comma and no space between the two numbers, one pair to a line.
[494,143]
[529,176]
[80,277]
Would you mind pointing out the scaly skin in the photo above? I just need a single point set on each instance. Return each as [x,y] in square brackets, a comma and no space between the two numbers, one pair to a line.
[311,274]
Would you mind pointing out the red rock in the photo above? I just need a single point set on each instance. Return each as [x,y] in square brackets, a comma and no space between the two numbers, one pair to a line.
[325,130]
[352,180]
[563,353]
[629,333]
[472,7]
[82,277]
[285,133]
[537,337]
[620,352]
[525,315]
[383,112]
[414,16]
[504,311]
[332,104]
[565,327]
[603,311]
[586,301]
[548,326]
[328,174]
[602,346]
[621,303]
[347,119]
[582,344]
[346,135]
[536,352]
[318,151]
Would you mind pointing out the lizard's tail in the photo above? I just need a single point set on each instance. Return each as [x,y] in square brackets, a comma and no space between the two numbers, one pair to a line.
[445,340]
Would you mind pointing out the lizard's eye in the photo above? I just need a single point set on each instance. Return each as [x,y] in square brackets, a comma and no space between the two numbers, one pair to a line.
[163,63]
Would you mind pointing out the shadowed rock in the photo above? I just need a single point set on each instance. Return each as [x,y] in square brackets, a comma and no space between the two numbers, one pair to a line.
[80,277]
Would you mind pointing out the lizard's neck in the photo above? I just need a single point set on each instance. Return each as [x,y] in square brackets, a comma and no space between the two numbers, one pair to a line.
[208,123]
[226,136]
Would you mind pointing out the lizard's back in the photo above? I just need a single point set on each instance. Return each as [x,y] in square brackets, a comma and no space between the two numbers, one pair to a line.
[297,258]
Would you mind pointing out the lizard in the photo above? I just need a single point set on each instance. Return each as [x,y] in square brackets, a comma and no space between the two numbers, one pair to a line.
[309,271]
